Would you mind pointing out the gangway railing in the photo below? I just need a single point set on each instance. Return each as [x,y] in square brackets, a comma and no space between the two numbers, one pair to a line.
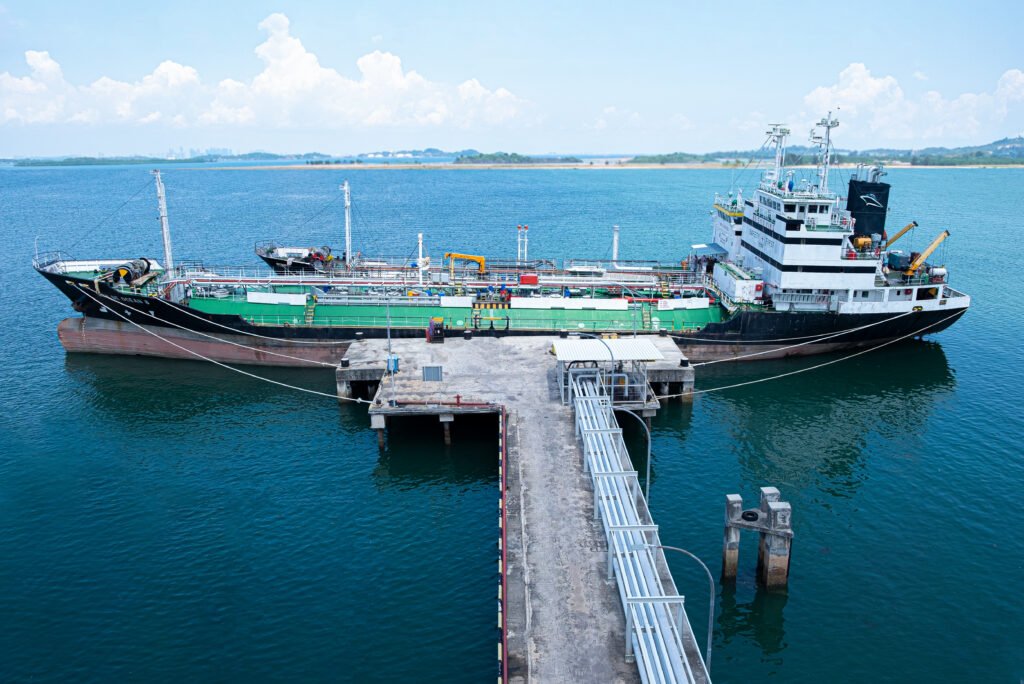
[658,633]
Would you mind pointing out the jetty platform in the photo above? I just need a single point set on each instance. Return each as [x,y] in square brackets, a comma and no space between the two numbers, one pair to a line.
[584,591]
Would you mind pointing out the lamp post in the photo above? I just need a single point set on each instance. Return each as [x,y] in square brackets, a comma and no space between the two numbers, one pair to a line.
[647,475]
[643,423]
[611,355]
[711,599]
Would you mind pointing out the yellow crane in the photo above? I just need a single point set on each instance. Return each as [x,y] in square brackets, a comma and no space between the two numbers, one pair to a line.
[897,236]
[480,261]
[926,253]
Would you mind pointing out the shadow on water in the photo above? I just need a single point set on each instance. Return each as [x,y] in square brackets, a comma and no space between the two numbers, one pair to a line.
[819,424]
[173,388]
[415,453]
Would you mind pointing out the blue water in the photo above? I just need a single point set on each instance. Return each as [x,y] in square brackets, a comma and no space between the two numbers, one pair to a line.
[167,520]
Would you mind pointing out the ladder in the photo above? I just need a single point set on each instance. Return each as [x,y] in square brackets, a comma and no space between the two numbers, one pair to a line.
[310,312]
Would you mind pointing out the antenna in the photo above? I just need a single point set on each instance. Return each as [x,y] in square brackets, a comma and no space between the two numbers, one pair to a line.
[348,225]
[615,244]
[165,228]
[777,133]
[824,142]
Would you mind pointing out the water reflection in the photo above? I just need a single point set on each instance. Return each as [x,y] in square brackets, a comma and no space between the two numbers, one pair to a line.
[817,426]
[759,619]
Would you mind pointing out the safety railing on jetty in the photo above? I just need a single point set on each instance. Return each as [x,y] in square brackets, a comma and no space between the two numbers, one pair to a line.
[657,629]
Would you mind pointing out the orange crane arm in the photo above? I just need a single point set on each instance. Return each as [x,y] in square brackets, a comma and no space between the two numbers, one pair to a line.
[897,236]
[926,253]
[478,260]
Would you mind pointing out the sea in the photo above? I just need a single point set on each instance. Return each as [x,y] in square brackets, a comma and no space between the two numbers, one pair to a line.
[168,521]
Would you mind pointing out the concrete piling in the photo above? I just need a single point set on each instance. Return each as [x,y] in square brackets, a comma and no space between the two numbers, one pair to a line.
[773,521]
[446,422]
[731,542]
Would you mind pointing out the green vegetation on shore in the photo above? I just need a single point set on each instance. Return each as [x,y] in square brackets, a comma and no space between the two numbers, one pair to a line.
[1000,152]
[513,158]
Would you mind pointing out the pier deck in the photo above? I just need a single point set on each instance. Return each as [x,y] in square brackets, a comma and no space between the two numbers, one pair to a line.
[564,617]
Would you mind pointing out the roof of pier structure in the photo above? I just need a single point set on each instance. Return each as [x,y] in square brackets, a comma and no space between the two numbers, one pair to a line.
[628,349]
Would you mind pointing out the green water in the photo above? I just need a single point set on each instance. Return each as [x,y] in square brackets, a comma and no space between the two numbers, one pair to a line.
[169,521]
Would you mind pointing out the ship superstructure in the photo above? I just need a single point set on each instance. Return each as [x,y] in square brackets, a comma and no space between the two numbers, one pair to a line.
[794,246]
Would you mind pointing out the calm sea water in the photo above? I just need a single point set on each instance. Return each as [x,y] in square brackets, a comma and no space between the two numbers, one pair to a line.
[164,521]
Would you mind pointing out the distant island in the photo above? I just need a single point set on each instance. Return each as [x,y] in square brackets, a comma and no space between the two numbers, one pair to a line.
[1000,152]
[1005,152]
[200,159]
[505,158]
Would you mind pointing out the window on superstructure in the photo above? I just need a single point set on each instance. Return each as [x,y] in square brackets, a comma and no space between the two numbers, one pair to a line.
[790,208]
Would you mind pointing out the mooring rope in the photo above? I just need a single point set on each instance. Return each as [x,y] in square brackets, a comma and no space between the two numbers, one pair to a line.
[816,340]
[224,365]
[220,339]
[810,368]
[185,310]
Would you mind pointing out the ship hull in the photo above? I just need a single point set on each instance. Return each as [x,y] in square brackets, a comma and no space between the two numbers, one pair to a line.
[138,320]
[763,335]
[101,336]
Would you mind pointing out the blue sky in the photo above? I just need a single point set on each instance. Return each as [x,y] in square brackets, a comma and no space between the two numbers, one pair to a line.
[535,77]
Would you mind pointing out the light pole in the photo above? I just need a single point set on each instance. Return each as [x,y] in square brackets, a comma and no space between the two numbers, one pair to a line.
[611,355]
[643,423]
[647,476]
[711,599]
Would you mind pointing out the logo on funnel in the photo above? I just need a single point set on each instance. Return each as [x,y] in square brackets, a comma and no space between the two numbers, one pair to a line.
[871,200]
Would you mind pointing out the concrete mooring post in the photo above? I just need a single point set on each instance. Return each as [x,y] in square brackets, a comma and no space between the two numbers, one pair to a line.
[378,423]
[773,520]
[446,422]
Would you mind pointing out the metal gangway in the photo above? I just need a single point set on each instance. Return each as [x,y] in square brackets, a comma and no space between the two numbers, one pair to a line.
[658,633]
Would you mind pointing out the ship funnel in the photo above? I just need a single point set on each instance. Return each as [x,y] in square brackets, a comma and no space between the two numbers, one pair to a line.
[868,202]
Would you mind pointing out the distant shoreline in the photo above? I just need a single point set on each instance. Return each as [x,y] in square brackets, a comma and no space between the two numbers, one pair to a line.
[584,166]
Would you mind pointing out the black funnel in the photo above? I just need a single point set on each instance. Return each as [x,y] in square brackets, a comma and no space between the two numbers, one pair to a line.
[867,203]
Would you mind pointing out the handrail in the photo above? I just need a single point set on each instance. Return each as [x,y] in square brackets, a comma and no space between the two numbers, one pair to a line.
[658,632]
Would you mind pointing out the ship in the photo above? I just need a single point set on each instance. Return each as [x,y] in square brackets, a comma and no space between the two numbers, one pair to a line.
[801,272]
[790,271]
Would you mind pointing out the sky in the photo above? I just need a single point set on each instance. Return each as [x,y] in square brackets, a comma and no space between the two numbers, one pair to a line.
[113,78]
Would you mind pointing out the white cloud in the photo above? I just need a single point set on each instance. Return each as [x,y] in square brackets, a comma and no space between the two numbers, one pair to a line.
[920,76]
[292,90]
[875,110]
[612,117]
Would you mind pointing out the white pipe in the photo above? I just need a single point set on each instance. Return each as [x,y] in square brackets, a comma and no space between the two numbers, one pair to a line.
[348,225]
[419,260]
[165,227]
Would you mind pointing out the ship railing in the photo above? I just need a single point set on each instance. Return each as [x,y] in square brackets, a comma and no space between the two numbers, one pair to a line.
[827,227]
[658,632]
[859,255]
[488,319]
[783,300]
[950,293]
[52,261]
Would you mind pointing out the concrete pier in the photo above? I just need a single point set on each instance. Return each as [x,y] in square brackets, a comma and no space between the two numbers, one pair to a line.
[563,620]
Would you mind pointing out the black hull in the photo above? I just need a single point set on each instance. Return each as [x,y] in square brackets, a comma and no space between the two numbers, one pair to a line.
[282,266]
[743,333]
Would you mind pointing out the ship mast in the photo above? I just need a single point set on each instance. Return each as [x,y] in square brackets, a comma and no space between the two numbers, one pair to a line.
[165,227]
[348,225]
[828,123]
[777,133]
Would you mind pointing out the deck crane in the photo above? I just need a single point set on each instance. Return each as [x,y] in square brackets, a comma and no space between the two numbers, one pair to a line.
[453,256]
[919,261]
[897,236]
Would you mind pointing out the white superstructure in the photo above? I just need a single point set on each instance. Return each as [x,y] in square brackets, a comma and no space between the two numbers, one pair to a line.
[797,242]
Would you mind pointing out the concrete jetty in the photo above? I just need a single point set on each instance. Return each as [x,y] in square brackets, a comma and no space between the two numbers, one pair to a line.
[562,619]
